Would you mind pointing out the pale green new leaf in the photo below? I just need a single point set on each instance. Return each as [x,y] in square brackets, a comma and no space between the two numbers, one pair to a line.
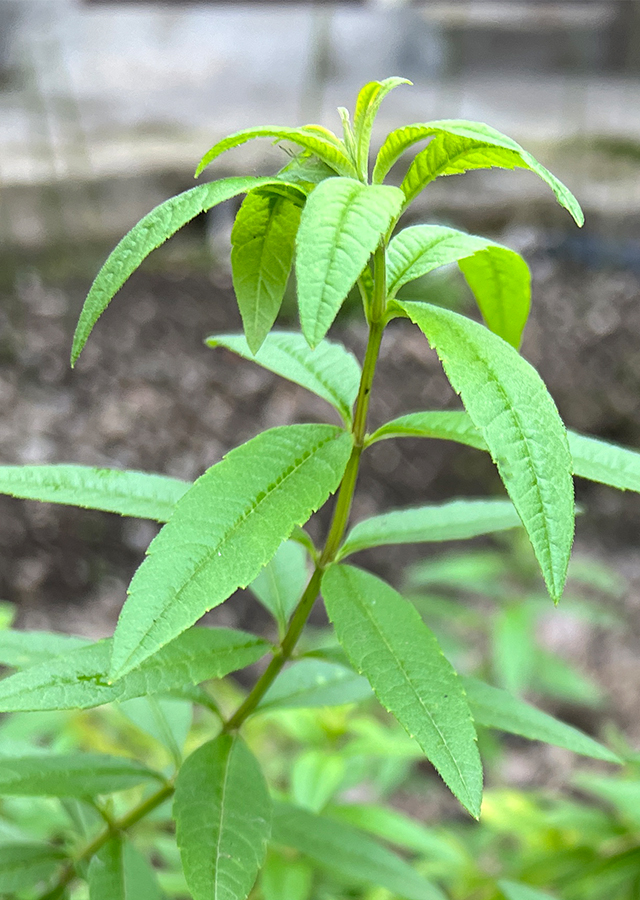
[500,281]
[367,106]
[495,708]
[402,138]
[79,678]
[387,641]
[330,371]
[225,528]
[513,890]
[262,247]
[151,231]
[280,584]
[451,154]
[315,683]
[509,403]
[318,140]
[348,852]
[341,226]
[24,865]
[457,520]
[128,493]
[306,170]
[20,649]
[222,810]
[119,872]
[70,775]
[498,277]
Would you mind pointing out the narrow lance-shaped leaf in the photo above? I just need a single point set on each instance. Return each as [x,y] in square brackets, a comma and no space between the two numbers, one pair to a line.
[119,872]
[225,528]
[128,493]
[22,866]
[454,521]
[70,775]
[495,708]
[151,231]
[348,852]
[498,277]
[451,154]
[315,683]
[341,226]
[280,584]
[329,371]
[318,140]
[20,649]
[78,679]
[593,459]
[387,641]
[223,819]
[262,248]
[402,138]
[507,400]
[367,106]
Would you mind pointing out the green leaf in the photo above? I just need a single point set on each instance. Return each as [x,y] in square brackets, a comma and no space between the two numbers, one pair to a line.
[78,679]
[286,878]
[166,719]
[128,493]
[262,247]
[454,521]
[451,154]
[448,426]
[306,170]
[514,646]
[498,277]
[348,852]
[151,231]
[315,777]
[225,528]
[622,793]
[119,872]
[21,649]
[500,281]
[367,106]
[387,641]
[593,459]
[495,708]
[509,403]
[70,775]
[402,138]
[24,865]
[280,584]
[222,810]
[340,227]
[330,371]
[513,890]
[314,138]
[313,683]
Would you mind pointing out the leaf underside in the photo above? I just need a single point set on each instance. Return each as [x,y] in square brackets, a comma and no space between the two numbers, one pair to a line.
[225,528]
[387,641]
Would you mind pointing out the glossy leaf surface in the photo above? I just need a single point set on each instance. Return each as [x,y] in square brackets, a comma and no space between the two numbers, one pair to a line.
[79,678]
[329,371]
[318,140]
[402,138]
[454,521]
[225,528]
[119,872]
[222,810]
[262,248]
[340,228]
[151,231]
[349,852]
[387,641]
[510,405]
[137,494]
[495,708]
[70,775]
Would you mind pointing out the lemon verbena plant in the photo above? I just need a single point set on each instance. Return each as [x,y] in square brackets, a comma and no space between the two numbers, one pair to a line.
[332,217]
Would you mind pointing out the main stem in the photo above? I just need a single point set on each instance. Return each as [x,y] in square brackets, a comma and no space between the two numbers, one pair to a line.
[310,595]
